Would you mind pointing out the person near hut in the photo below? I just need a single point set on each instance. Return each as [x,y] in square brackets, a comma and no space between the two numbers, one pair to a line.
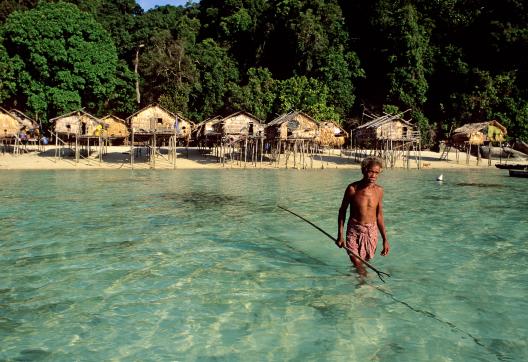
[23,135]
[366,216]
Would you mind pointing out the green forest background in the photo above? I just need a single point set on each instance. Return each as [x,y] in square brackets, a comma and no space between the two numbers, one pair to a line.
[449,61]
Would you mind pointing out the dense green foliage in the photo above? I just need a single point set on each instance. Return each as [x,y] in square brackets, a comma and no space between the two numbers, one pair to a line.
[449,61]
[57,58]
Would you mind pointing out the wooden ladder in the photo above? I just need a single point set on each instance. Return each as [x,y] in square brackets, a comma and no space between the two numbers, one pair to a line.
[445,153]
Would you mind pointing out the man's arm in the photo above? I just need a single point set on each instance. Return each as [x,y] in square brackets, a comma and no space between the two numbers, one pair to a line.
[342,215]
[381,224]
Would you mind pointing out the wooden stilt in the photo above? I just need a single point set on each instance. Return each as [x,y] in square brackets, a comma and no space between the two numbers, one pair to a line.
[76,149]
[132,150]
[245,151]
[261,151]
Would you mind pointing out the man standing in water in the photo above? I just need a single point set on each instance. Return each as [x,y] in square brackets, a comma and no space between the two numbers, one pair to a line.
[366,216]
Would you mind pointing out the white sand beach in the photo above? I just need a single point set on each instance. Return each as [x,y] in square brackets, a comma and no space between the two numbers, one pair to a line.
[118,157]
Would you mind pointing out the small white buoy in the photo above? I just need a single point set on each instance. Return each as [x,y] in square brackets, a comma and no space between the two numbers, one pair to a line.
[440,178]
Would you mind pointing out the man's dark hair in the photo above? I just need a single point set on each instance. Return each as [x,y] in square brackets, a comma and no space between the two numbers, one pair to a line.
[369,162]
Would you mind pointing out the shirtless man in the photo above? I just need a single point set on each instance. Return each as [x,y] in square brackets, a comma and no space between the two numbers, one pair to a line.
[366,216]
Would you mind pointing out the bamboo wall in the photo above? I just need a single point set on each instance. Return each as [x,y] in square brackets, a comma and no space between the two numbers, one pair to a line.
[156,119]
[68,124]
[395,130]
[76,124]
[241,124]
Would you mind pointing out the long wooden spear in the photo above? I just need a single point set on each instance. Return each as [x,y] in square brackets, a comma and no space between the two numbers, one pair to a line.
[379,272]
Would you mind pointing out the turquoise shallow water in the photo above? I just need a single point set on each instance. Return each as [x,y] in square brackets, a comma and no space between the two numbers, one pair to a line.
[202,265]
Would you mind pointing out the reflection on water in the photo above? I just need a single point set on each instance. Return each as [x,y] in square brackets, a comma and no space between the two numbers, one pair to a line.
[196,264]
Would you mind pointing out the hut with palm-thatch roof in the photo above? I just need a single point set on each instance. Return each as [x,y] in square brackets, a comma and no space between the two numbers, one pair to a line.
[390,137]
[291,126]
[79,128]
[479,133]
[331,135]
[116,129]
[204,133]
[26,121]
[9,130]
[155,125]
[389,127]
[242,134]
[9,125]
[240,124]
[294,134]
[472,136]
[29,129]
[155,119]
[77,123]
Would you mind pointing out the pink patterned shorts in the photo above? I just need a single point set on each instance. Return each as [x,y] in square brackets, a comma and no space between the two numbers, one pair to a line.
[362,239]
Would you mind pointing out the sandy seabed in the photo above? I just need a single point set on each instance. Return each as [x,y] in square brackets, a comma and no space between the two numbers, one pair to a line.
[118,157]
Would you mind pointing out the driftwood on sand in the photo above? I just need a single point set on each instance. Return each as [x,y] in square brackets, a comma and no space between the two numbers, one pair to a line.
[502,152]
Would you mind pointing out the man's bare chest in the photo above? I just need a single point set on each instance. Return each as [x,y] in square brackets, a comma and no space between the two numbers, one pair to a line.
[366,198]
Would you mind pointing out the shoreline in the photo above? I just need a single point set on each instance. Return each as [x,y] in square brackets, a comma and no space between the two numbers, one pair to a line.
[118,157]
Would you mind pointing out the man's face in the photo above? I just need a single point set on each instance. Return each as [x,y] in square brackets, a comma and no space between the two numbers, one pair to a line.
[371,173]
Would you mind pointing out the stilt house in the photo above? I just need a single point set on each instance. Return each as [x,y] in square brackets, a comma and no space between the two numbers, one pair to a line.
[384,128]
[116,128]
[204,132]
[9,125]
[479,133]
[78,123]
[155,119]
[240,125]
[331,135]
[27,122]
[291,126]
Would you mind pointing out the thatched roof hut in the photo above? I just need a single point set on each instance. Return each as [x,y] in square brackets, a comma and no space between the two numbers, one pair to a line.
[9,124]
[115,126]
[206,128]
[25,121]
[240,124]
[386,127]
[294,125]
[157,119]
[77,123]
[479,133]
[331,134]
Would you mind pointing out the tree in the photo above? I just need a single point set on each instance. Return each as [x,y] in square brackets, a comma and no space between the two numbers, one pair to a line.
[61,59]
[122,101]
[9,6]
[305,94]
[219,77]
[408,57]
[118,17]
[167,68]
[339,72]
[237,25]
[258,95]
[478,74]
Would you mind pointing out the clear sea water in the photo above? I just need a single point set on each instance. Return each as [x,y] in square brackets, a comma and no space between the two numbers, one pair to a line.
[201,265]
